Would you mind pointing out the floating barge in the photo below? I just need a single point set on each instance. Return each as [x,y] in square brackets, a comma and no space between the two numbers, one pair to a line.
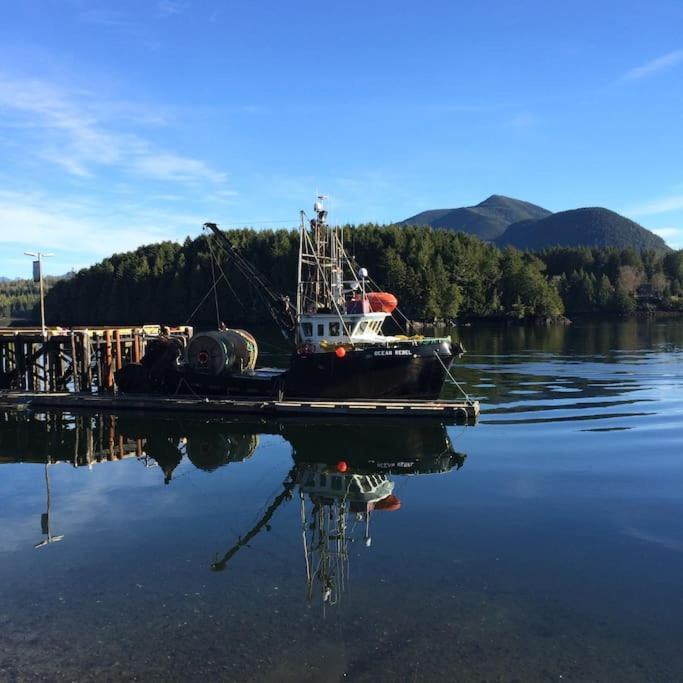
[72,369]
[462,412]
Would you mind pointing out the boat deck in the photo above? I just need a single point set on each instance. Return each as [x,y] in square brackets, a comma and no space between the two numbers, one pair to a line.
[462,412]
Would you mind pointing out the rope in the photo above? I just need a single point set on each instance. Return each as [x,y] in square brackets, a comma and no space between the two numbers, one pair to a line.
[227,282]
[448,372]
[214,288]
[204,298]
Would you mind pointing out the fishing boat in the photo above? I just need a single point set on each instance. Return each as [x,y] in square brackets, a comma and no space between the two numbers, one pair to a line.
[334,326]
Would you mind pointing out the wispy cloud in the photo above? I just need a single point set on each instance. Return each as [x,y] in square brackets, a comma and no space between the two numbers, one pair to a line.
[170,7]
[106,17]
[166,166]
[668,232]
[673,236]
[657,206]
[654,66]
[63,128]
[84,229]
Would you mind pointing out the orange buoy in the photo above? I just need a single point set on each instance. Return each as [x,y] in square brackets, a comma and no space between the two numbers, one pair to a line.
[342,466]
[340,352]
[381,302]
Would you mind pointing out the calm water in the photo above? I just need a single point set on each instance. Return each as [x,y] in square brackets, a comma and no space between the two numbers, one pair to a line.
[545,543]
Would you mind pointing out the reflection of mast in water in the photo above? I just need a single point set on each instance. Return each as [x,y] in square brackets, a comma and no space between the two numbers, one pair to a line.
[338,497]
[45,517]
[344,490]
[340,503]
[286,494]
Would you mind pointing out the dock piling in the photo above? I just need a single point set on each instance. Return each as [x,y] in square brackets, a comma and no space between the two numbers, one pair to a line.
[78,359]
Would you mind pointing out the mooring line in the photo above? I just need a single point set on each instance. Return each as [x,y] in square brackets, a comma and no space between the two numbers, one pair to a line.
[448,372]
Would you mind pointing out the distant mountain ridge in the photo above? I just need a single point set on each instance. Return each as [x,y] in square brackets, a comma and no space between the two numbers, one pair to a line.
[487,220]
[507,221]
[586,227]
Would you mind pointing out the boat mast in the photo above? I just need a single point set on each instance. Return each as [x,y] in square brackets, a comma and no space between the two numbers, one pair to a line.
[320,287]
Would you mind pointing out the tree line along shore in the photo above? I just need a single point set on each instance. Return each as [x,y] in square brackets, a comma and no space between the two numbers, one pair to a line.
[436,275]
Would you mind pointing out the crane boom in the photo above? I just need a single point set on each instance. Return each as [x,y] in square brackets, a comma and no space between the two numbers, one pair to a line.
[278,304]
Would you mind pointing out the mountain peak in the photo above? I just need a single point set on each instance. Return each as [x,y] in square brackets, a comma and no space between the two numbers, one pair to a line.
[487,220]
[499,199]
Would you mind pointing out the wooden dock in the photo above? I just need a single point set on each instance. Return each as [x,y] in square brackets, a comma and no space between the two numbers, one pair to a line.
[462,412]
[73,369]
[78,359]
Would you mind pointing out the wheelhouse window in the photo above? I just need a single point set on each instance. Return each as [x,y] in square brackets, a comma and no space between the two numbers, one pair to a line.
[336,483]
[306,329]
[362,327]
[321,329]
[334,329]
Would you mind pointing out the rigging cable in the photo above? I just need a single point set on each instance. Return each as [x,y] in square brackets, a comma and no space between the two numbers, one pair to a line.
[450,375]
[215,288]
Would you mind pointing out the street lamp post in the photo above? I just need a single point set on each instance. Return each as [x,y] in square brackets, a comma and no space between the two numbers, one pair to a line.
[40,256]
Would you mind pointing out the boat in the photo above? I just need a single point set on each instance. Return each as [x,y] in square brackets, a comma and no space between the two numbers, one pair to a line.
[334,326]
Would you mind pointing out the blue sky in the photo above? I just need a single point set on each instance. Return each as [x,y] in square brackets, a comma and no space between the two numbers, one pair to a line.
[123,123]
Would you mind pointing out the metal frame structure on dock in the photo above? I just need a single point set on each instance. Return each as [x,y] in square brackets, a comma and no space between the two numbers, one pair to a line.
[453,411]
[80,359]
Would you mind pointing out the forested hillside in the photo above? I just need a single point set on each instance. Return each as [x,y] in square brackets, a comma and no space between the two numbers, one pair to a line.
[19,299]
[615,280]
[588,227]
[434,273]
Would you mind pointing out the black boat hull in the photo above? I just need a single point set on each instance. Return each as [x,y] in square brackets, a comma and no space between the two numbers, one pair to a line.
[401,372]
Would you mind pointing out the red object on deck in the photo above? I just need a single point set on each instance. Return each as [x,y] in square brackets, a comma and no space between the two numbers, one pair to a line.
[340,352]
[389,504]
[381,302]
[342,466]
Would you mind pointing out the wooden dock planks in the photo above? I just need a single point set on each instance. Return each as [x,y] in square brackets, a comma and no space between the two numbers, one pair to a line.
[456,411]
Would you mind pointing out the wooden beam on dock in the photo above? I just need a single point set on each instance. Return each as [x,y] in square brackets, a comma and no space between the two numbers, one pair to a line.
[462,412]
[80,359]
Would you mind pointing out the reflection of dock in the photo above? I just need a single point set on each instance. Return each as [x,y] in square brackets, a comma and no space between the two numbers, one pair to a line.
[341,468]
[82,442]
[452,411]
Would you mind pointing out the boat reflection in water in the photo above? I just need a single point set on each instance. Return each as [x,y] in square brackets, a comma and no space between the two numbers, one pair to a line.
[342,474]
[341,469]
